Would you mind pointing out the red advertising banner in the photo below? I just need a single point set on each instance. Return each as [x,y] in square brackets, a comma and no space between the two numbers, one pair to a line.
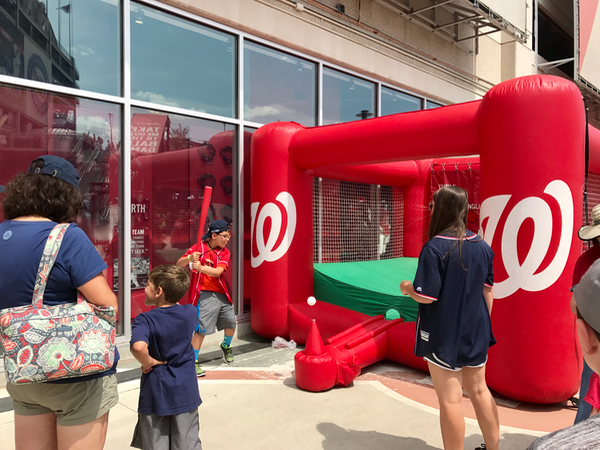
[464,174]
[148,132]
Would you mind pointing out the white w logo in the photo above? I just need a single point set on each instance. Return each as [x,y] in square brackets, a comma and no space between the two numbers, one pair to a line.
[266,252]
[523,275]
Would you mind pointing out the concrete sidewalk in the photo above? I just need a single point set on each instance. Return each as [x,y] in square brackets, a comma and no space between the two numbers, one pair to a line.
[254,404]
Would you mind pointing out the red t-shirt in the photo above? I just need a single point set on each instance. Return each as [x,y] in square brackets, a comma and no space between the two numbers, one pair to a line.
[216,257]
[583,263]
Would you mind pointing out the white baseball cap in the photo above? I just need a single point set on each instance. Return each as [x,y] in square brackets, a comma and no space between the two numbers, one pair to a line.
[589,232]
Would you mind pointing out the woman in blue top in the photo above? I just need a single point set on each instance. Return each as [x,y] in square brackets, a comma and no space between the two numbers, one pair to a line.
[453,286]
[71,413]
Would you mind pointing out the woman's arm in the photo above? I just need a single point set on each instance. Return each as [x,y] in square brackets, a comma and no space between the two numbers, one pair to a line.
[139,350]
[98,292]
[488,296]
[406,287]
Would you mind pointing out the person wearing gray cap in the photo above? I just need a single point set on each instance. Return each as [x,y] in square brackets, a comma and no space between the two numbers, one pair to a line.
[585,304]
[588,233]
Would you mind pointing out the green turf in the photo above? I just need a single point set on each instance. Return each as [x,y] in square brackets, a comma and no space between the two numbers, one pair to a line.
[369,287]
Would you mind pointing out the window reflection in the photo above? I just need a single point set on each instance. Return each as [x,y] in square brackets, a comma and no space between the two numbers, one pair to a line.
[62,42]
[431,105]
[278,86]
[394,102]
[173,158]
[179,63]
[85,132]
[346,98]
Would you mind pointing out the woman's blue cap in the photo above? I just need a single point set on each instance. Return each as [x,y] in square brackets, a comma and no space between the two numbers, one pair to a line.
[57,167]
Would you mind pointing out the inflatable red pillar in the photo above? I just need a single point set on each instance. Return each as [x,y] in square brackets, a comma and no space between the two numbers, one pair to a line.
[531,135]
[281,229]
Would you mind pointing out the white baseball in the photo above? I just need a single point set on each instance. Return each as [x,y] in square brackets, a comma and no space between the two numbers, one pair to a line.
[311,300]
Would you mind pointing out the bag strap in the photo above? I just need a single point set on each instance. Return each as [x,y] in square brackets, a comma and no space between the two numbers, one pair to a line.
[587,165]
[47,262]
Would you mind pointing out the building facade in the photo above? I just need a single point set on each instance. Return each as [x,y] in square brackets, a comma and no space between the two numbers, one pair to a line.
[155,100]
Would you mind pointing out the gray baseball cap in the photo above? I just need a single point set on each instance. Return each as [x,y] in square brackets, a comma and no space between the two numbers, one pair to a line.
[587,296]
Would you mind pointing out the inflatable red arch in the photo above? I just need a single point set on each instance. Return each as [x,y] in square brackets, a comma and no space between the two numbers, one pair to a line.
[530,136]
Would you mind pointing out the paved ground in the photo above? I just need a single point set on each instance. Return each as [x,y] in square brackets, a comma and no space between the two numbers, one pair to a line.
[254,404]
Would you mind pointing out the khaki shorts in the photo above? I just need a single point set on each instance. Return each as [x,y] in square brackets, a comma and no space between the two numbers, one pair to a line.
[73,403]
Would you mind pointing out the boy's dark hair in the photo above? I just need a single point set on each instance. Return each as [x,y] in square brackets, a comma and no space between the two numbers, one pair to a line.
[36,194]
[174,281]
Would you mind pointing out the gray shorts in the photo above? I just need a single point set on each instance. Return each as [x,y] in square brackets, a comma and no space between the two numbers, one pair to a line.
[73,403]
[178,432]
[214,310]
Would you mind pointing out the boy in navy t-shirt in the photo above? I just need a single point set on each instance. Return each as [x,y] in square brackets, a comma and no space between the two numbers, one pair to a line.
[161,340]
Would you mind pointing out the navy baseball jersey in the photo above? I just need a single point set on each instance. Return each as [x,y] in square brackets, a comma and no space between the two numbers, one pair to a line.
[456,326]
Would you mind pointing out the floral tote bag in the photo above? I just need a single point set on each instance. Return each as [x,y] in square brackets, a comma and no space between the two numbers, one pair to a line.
[43,343]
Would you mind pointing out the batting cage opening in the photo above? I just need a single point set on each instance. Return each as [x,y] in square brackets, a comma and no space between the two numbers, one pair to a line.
[356,221]
[357,231]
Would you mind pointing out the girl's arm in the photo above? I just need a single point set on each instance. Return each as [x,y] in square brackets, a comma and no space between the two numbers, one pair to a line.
[97,292]
[140,352]
[488,296]
[406,287]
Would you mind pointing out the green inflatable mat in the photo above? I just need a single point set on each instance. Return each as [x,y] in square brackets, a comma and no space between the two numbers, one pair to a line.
[369,287]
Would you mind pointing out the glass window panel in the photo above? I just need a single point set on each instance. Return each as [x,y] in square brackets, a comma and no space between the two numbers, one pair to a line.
[247,280]
[85,132]
[346,98]
[394,102]
[431,105]
[74,44]
[278,86]
[179,63]
[173,158]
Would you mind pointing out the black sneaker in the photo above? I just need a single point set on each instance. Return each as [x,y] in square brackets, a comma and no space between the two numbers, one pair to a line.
[480,448]
[227,353]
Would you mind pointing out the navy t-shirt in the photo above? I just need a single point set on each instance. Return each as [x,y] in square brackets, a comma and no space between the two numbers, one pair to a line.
[77,262]
[456,326]
[171,388]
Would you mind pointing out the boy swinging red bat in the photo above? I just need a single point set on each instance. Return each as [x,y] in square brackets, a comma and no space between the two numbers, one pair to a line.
[209,259]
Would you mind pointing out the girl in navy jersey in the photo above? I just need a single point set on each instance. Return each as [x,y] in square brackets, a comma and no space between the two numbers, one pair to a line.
[453,286]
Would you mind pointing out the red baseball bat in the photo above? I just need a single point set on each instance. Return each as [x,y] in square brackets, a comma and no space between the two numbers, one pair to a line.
[203,213]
